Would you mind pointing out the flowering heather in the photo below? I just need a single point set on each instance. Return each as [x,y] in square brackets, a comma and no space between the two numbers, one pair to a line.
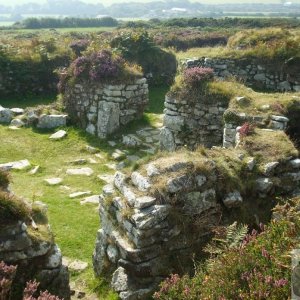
[246,129]
[81,66]
[197,76]
[98,66]
[105,65]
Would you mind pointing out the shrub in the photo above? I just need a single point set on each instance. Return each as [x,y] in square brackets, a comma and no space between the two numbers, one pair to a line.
[256,269]
[4,179]
[7,275]
[79,46]
[102,66]
[138,47]
[12,209]
[197,76]
[246,129]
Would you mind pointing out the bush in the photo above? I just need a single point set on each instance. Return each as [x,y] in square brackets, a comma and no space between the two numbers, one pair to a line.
[7,275]
[4,179]
[197,76]
[246,129]
[158,65]
[79,46]
[256,269]
[12,209]
[102,66]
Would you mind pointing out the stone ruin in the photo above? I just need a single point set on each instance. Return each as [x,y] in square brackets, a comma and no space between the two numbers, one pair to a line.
[257,74]
[155,219]
[192,124]
[30,246]
[101,109]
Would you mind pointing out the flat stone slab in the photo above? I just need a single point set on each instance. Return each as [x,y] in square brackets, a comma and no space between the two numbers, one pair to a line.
[17,111]
[34,170]
[58,135]
[53,181]
[91,149]
[16,165]
[52,121]
[14,128]
[75,265]
[80,171]
[79,194]
[79,161]
[106,178]
[90,200]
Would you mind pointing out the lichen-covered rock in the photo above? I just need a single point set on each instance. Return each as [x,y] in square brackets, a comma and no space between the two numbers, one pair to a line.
[6,115]
[52,121]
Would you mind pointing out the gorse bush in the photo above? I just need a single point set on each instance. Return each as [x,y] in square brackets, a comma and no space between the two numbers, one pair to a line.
[258,268]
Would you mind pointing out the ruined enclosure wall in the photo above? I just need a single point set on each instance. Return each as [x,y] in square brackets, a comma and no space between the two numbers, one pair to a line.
[36,255]
[148,233]
[192,124]
[101,109]
[261,75]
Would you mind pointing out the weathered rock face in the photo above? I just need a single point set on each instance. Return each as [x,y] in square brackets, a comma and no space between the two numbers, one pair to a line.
[276,77]
[52,121]
[102,109]
[154,220]
[31,247]
[192,124]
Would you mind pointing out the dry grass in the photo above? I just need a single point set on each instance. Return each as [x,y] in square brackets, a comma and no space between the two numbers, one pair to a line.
[233,89]
[269,146]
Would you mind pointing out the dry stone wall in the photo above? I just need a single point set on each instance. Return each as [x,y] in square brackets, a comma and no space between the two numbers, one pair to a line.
[267,75]
[37,258]
[149,232]
[102,109]
[192,124]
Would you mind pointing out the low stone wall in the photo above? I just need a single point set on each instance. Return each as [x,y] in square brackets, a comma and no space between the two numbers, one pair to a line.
[102,109]
[156,219]
[192,124]
[37,258]
[231,135]
[267,75]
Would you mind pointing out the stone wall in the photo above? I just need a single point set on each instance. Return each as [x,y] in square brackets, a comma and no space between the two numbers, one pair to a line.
[231,135]
[30,246]
[21,77]
[156,219]
[257,74]
[102,109]
[192,124]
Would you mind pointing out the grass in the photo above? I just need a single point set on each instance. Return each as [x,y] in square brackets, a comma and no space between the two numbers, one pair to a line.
[269,146]
[26,101]
[271,43]
[74,225]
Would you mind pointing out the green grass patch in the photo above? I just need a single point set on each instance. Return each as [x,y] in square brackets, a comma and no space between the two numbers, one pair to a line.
[74,226]
[27,101]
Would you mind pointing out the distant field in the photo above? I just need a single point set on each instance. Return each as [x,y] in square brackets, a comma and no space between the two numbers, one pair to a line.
[72,29]
[4,23]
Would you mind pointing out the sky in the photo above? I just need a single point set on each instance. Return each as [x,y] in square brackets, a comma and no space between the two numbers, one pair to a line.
[107,2]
